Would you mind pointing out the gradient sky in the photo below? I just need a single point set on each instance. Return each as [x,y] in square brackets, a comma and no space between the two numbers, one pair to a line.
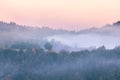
[66,14]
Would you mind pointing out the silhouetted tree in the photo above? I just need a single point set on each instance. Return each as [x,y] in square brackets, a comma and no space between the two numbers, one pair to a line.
[48,46]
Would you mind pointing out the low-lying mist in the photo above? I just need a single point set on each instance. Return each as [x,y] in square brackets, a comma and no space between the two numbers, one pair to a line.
[87,40]
[11,33]
[28,53]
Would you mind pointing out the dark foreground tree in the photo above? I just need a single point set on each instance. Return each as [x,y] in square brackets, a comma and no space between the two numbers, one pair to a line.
[48,46]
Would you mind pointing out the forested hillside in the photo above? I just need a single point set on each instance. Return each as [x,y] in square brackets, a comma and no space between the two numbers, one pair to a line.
[41,64]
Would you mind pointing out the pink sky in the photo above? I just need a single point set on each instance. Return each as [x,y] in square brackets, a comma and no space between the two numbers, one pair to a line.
[65,14]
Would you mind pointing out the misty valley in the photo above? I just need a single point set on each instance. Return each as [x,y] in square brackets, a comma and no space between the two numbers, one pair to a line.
[32,53]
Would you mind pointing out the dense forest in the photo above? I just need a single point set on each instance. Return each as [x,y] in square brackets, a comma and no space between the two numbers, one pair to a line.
[31,62]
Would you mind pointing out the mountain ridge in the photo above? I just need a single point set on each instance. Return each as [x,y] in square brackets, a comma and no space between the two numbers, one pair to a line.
[4,26]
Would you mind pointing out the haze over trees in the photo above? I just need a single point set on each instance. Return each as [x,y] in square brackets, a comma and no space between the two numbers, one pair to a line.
[36,64]
[107,35]
[28,53]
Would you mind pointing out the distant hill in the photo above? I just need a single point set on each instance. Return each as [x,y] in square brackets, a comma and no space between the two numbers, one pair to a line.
[11,33]
[15,27]
[108,35]
[109,29]
[116,23]
[45,31]
[14,30]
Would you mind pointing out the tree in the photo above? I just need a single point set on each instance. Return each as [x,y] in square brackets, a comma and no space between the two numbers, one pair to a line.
[48,46]
[102,48]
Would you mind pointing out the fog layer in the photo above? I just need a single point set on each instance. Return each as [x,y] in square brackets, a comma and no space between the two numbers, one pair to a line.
[87,40]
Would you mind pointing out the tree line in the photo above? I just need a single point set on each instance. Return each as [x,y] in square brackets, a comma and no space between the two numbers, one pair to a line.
[38,64]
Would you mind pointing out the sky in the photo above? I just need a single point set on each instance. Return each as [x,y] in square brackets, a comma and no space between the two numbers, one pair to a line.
[65,14]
